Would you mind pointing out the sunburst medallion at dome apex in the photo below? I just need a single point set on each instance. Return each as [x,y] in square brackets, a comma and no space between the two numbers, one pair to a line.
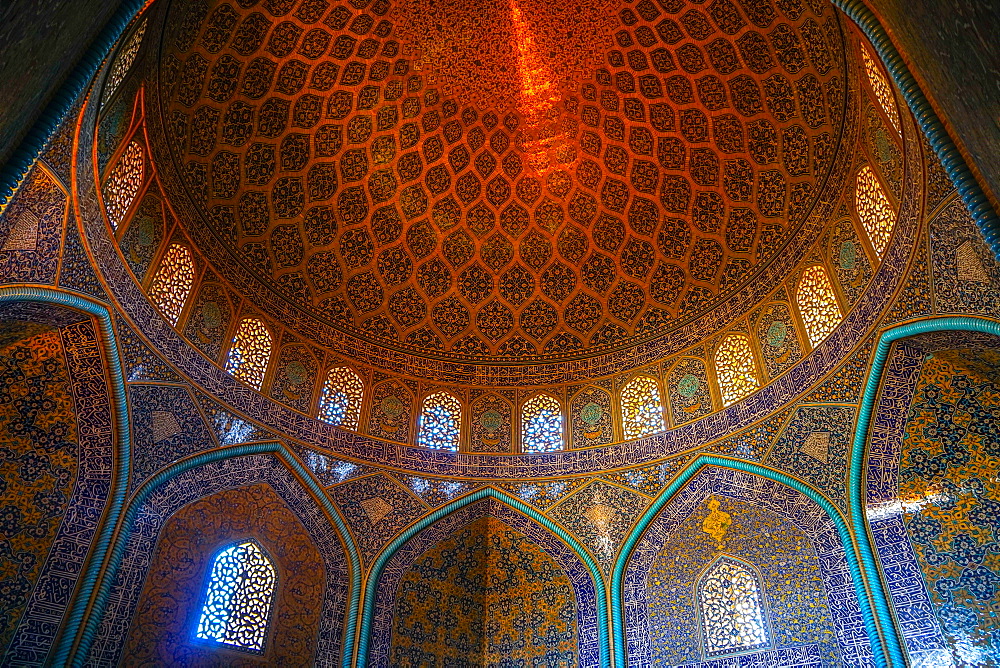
[597,176]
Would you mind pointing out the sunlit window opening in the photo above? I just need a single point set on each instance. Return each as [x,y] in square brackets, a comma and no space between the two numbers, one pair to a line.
[123,183]
[733,617]
[440,424]
[250,353]
[735,367]
[541,424]
[817,304]
[642,410]
[874,209]
[238,598]
[124,61]
[340,401]
[880,84]
[172,282]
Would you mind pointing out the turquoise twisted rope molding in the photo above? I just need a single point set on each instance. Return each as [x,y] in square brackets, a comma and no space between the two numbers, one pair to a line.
[890,655]
[855,489]
[123,444]
[944,146]
[93,621]
[15,170]
[478,495]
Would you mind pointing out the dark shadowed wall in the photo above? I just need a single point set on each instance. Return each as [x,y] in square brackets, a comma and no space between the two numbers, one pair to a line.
[40,43]
[952,48]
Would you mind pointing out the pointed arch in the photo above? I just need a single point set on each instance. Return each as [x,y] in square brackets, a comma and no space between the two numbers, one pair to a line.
[440,423]
[594,622]
[201,475]
[817,304]
[893,376]
[735,368]
[238,597]
[340,399]
[124,182]
[730,595]
[172,282]
[870,607]
[873,207]
[250,352]
[541,424]
[642,407]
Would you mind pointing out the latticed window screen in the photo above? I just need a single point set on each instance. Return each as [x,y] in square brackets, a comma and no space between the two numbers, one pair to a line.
[440,424]
[874,209]
[238,597]
[735,368]
[880,85]
[250,353]
[732,613]
[124,182]
[817,304]
[340,402]
[172,282]
[125,59]
[541,424]
[642,410]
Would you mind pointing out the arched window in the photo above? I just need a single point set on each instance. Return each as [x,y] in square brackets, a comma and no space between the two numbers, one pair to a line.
[541,424]
[440,423]
[124,182]
[880,84]
[172,282]
[732,613]
[250,353]
[874,209]
[642,410]
[340,402]
[817,303]
[124,61]
[735,367]
[238,597]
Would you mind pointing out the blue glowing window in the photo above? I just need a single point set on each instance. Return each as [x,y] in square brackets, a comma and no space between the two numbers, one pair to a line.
[440,424]
[541,424]
[238,598]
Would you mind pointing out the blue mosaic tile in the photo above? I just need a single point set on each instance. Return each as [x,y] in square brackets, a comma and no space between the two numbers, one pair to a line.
[329,470]
[436,491]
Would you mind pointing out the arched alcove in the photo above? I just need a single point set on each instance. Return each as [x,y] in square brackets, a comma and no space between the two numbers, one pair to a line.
[488,533]
[137,588]
[811,601]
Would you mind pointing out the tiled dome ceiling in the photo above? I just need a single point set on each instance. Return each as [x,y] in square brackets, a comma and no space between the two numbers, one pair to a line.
[502,180]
